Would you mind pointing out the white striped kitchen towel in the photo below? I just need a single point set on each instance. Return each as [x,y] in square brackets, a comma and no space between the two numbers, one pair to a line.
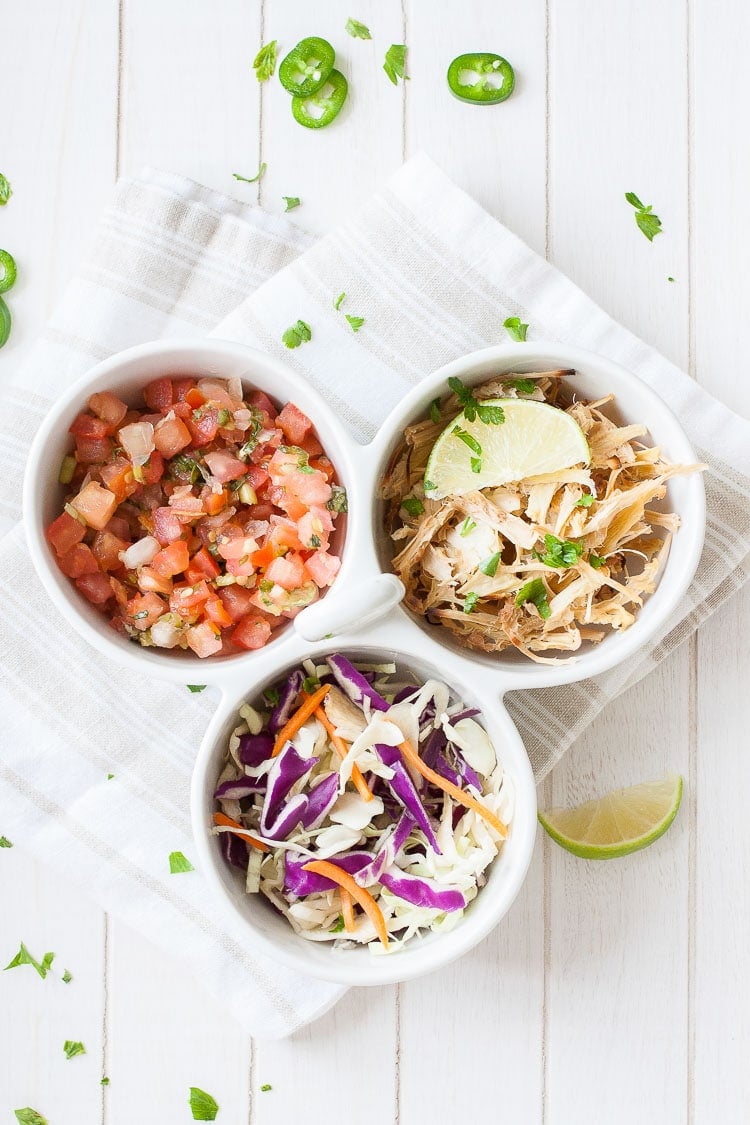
[434,276]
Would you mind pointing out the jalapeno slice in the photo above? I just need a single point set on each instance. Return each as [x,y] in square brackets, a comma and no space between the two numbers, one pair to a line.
[4,322]
[326,103]
[482,79]
[8,275]
[307,66]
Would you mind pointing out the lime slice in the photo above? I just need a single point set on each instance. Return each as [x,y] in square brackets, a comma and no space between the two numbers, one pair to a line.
[535,438]
[619,823]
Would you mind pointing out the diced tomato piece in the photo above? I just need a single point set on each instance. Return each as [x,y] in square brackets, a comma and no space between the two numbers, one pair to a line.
[204,639]
[194,397]
[107,548]
[323,465]
[215,502]
[224,466]
[294,423]
[167,527]
[312,532]
[171,435]
[236,547]
[182,410]
[217,612]
[240,568]
[295,509]
[145,609]
[96,587]
[120,591]
[77,561]
[188,597]
[309,488]
[64,532]
[323,568]
[108,407]
[203,428]
[118,478]
[263,557]
[284,536]
[252,632]
[311,446]
[286,571]
[149,580]
[93,451]
[180,388]
[153,470]
[96,505]
[88,426]
[205,564]
[257,477]
[262,511]
[158,394]
[237,600]
[261,401]
[171,560]
[118,526]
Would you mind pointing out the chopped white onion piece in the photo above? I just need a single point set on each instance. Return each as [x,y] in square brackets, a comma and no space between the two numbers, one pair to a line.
[140,553]
[137,440]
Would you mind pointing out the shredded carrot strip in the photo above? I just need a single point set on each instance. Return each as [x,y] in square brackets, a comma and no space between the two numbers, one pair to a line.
[359,894]
[300,716]
[469,802]
[342,750]
[227,822]
[347,909]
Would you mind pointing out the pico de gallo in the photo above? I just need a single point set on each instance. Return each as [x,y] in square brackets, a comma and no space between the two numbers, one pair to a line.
[199,520]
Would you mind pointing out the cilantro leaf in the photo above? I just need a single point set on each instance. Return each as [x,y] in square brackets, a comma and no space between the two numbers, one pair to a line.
[515,328]
[489,565]
[254,179]
[267,1085]
[435,410]
[395,61]
[310,684]
[67,976]
[196,688]
[356,322]
[357,30]
[648,223]
[490,415]
[467,526]
[338,925]
[271,696]
[586,500]
[428,485]
[338,501]
[5,842]
[535,592]
[23,957]
[339,301]
[470,601]
[5,190]
[670,279]
[72,1049]
[560,553]
[468,439]
[178,864]
[110,776]
[524,386]
[204,1107]
[596,561]
[104,1081]
[29,1116]
[472,408]
[413,505]
[291,201]
[264,63]
[299,333]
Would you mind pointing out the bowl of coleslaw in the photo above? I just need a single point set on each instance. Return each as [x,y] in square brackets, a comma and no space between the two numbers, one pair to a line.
[367,811]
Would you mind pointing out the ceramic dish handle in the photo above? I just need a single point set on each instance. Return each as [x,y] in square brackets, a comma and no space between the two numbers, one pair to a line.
[360,604]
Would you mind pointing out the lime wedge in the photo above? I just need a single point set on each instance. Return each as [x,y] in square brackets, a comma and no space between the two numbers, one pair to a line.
[619,823]
[535,438]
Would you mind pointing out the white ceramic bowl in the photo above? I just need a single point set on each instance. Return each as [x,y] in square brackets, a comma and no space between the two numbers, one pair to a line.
[362,612]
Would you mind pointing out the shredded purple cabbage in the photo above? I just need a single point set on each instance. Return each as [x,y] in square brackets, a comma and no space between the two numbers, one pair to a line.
[287,698]
[277,820]
[353,683]
[421,892]
[403,789]
[255,748]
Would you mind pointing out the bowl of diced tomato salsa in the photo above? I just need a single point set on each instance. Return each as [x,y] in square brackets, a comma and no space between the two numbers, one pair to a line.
[185,500]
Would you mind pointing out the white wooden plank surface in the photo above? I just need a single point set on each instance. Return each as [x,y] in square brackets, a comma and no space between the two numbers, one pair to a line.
[613,992]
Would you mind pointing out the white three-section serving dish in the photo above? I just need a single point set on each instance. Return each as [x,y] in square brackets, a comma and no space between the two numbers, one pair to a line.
[361,615]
